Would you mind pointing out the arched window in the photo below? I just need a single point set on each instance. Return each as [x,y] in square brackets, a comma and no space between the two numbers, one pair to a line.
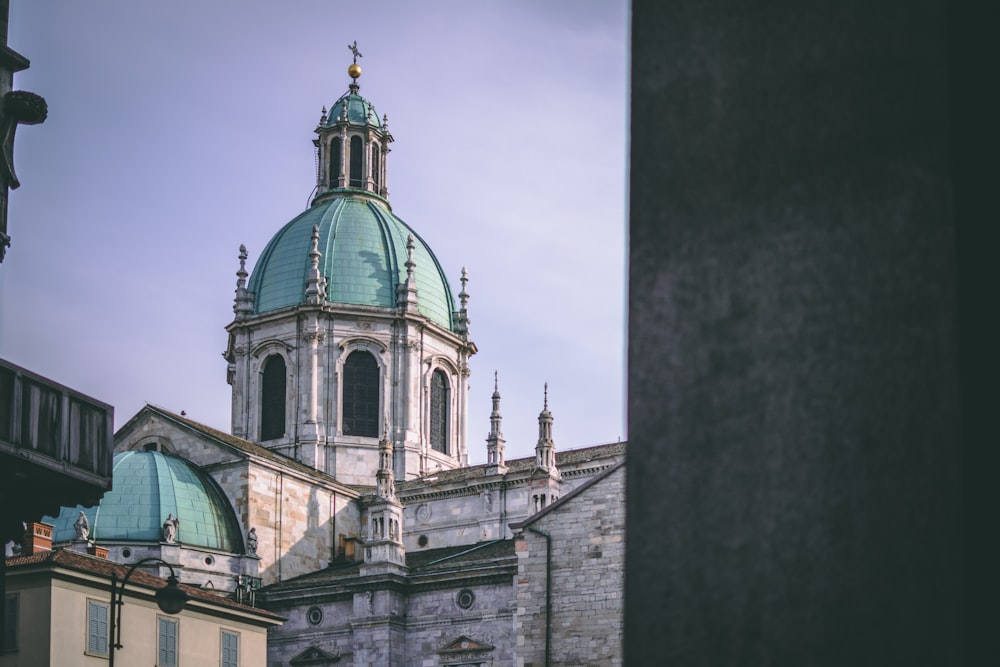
[361,393]
[439,412]
[272,398]
[356,157]
[376,180]
[335,162]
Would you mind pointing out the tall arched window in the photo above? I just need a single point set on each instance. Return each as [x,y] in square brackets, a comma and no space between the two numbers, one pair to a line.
[361,394]
[272,398]
[376,180]
[335,162]
[356,158]
[439,412]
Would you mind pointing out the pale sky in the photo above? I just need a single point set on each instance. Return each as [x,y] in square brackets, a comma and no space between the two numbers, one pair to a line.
[179,130]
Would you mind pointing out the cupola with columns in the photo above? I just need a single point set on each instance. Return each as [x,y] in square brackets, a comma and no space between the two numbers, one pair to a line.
[353,143]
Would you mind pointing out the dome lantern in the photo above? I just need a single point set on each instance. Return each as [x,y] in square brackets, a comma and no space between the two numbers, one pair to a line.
[353,143]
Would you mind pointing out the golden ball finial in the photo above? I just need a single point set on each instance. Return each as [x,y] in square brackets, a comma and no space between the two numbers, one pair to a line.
[354,71]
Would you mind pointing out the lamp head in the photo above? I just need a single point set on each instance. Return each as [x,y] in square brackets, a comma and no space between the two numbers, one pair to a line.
[171,598]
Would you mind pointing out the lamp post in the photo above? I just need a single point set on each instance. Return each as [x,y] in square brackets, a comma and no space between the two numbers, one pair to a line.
[170,599]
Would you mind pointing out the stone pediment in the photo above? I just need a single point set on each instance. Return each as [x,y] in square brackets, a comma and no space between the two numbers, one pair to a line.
[315,656]
[463,644]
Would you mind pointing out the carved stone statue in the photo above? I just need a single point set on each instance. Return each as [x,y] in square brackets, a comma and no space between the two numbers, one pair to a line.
[82,526]
[252,542]
[170,528]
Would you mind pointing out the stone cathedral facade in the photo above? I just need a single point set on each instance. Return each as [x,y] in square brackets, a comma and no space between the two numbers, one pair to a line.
[342,498]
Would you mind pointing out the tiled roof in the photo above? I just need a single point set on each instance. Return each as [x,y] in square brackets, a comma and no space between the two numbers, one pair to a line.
[419,562]
[246,446]
[563,458]
[104,567]
[431,559]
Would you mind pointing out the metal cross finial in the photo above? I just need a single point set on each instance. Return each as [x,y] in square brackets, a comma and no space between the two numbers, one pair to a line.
[354,49]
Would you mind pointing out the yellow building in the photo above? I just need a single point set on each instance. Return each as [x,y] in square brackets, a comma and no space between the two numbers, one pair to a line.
[58,613]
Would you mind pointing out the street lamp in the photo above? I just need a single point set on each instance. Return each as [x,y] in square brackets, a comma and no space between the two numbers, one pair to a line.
[170,599]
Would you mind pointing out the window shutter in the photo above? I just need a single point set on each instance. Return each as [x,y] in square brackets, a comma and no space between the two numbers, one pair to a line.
[168,643]
[97,628]
[230,649]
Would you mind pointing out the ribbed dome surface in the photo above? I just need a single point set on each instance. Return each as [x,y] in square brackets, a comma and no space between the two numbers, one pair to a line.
[146,487]
[359,111]
[363,257]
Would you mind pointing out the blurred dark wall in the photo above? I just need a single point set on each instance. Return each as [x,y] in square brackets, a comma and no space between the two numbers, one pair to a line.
[802,344]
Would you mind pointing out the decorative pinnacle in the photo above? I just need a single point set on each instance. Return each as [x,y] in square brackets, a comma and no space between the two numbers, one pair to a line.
[385,122]
[322,116]
[314,252]
[496,385]
[315,288]
[464,295]
[241,275]
[546,403]
[409,257]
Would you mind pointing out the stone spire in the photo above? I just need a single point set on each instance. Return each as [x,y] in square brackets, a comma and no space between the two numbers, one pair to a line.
[406,291]
[315,283]
[495,441]
[462,316]
[384,550]
[545,450]
[243,303]
[385,479]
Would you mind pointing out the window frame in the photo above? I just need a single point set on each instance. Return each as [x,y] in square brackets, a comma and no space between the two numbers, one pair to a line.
[106,607]
[349,397]
[333,162]
[356,162]
[167,621]
[222,647]
[439,404]
[268,402]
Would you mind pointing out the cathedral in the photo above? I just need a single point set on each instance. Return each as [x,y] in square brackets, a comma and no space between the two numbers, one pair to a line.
[342,498]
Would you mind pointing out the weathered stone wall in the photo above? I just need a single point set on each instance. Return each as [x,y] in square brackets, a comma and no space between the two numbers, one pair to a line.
[435,619]
[297,522]
[401,631]
[400,347]
[588,560]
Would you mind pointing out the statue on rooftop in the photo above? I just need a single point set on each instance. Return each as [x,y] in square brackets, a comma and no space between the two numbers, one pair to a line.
[82,526]
[170,527]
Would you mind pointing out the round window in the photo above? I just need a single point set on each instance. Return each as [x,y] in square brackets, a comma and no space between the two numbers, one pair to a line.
[209,560]
[465,598]
[422,541]
[126,553]
[314,615]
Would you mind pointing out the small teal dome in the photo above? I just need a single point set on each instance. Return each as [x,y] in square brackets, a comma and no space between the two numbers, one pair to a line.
[363,258]
[359,111]
[146,487]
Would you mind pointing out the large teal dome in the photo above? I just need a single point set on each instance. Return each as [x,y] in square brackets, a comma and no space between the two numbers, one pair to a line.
[146,487]
[363,258]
